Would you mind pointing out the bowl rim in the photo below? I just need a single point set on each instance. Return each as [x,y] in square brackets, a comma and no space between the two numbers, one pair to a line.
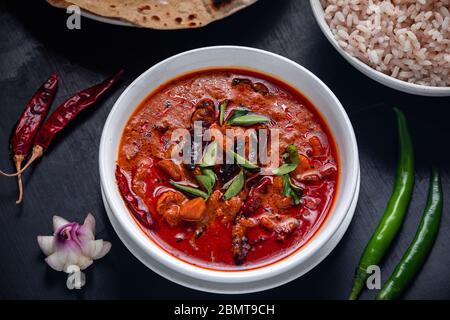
[285,264]
[372,73]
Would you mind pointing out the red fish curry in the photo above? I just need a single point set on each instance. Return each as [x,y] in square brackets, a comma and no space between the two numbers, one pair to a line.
[225,215]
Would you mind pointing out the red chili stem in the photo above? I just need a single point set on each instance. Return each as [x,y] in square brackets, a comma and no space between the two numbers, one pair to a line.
[133,202]
[18,159]
[65,114]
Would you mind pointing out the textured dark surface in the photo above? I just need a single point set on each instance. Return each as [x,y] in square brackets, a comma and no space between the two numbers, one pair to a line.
[34,43]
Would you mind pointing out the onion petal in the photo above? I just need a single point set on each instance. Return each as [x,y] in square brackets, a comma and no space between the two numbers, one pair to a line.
[92,247]
[46,243]
[72,247]
[56,260]
[84,262]
[104,251]
[58,222]
[89,222]
[85,233]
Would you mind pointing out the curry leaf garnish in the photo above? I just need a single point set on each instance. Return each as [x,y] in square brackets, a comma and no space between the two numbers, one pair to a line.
[227,185]
[292,155]
[238,112]
[210,173]
[190,190]
[208,180]
[291,190]
[223,105]
[286,186]
[244,163]
[209,158]
[234,186]
[248,120]
[284,169]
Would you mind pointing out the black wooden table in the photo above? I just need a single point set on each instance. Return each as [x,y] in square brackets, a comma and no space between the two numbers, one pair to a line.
[34,42]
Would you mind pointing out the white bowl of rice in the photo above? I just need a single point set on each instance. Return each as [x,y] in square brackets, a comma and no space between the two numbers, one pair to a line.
[403,44]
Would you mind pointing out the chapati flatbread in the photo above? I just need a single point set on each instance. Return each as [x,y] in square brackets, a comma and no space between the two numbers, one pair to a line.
[161,14]
[59,3]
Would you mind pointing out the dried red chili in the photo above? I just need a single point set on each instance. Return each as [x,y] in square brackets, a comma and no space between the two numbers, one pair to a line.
[64,114]
[133,202]
[29,123]
[70,109]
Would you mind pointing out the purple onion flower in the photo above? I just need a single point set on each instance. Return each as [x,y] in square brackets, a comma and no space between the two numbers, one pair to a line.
[72,246]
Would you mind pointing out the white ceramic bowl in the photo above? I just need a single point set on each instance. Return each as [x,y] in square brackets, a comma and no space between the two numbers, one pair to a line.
[244,281]
[369,71]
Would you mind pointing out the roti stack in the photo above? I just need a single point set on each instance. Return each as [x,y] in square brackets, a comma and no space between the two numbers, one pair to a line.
[160,14]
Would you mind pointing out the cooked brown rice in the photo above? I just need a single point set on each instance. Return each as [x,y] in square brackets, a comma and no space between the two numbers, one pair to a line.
[406,39]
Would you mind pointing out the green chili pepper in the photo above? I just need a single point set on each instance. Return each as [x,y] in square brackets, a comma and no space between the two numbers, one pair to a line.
[234,186]
[248,120]
[417,252]
[395,211]
[223,105]
[190,190]
[292,154]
